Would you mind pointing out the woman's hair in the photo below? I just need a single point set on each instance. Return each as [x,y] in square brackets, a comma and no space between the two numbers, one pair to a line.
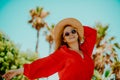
[59,42]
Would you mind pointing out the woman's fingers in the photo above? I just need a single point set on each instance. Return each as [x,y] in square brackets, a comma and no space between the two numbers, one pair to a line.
[6,76]
[9,75]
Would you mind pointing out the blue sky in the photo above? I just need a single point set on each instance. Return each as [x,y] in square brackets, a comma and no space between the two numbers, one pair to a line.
[14,16]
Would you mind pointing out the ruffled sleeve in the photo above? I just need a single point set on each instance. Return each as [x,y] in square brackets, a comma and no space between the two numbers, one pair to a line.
[45,67]
[90,36]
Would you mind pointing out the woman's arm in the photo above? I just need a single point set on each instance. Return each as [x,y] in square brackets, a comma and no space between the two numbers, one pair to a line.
[90,36]
[45,67]
[42,67]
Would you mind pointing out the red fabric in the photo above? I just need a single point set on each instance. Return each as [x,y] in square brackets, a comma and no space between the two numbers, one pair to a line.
[68,63]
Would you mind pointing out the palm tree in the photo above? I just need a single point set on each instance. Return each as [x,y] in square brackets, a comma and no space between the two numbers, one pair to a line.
[49,37]
[105,54]
[101,33]
[37,21]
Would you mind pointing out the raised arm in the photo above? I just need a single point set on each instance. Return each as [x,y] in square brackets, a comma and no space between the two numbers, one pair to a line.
[90,36]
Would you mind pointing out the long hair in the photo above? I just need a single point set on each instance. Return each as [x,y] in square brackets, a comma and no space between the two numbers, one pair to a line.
[59,42]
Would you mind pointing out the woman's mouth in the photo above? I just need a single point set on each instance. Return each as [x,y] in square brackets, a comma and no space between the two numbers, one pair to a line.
[72,37]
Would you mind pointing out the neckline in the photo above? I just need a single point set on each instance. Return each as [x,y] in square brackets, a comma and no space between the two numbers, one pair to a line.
[78,53]
[65,47]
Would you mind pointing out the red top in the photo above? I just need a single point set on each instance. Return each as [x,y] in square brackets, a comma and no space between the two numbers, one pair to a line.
[68,63]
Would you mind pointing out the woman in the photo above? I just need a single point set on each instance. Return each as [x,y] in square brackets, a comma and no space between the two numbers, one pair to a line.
[72,60]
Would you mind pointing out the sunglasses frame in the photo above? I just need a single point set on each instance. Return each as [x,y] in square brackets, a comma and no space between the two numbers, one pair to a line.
[73,31]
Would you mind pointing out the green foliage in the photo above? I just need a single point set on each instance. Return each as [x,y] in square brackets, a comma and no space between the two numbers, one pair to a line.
[107,73]
[117,45]
[101,29]
[96,75]
[39,9]
[11,57]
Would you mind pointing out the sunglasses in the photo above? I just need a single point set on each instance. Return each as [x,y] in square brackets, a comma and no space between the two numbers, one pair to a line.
[72,31]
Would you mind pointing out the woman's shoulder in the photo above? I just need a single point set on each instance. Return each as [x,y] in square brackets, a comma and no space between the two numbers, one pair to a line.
[60,51]
[63,48]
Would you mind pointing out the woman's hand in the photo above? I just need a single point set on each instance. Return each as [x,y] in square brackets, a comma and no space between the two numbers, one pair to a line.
[10,74]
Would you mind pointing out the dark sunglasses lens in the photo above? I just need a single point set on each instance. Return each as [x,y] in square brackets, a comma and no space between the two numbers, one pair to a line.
[73,31]
[66,34]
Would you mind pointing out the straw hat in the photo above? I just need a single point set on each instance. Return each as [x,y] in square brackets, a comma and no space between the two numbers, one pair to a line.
[58,30]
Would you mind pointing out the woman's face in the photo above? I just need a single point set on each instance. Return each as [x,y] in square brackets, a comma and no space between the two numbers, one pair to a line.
[70,35]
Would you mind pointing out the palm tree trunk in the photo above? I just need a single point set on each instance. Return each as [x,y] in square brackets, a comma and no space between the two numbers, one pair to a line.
[50,46]
[37,43]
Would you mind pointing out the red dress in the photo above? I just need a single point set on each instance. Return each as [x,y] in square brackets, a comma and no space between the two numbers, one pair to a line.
[68,63]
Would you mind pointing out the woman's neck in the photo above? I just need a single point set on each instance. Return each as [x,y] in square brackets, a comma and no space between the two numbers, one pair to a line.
[74,46]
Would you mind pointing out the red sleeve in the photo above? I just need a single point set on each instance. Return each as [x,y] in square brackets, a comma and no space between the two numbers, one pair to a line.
[45,67]
[90,35]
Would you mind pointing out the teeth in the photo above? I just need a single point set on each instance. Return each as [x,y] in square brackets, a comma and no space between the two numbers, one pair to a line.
[72,37]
